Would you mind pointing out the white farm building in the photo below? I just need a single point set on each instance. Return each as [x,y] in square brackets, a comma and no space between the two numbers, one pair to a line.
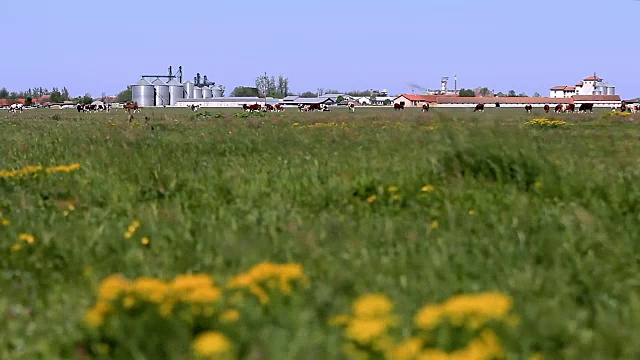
[592,85]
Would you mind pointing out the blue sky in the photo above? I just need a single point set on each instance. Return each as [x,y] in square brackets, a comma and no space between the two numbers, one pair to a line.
[521,45]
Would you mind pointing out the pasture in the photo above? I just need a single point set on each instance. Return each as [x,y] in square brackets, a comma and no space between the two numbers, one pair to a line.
[414,209]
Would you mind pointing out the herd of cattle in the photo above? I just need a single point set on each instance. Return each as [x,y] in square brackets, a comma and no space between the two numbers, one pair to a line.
[133,106]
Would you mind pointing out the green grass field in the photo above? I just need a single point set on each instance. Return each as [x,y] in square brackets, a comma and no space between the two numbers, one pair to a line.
[418,207]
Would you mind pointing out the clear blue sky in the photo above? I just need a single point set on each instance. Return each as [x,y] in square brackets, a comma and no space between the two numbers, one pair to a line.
[522,45]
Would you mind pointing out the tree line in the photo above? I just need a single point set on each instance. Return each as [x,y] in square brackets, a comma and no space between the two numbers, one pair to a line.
[486,92]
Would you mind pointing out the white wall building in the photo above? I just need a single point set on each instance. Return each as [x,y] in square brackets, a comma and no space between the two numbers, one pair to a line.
[592,85]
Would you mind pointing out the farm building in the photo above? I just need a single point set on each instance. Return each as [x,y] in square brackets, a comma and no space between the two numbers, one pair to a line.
[603,101]
[507,102]
[294,100]
[411,100]
[225,102]
[592,85]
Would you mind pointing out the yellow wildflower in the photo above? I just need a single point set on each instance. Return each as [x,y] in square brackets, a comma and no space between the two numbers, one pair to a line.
[395,197]
[4,222]
[433,354]
[372,199]
[392,188]
[28,238]
[429,316]
[434,224]
[230,316]
[428,188]
[16,247]
[365,331]
[406,350]
[150,289]
[372,305]
[211,343]
[95,316]
[112,287]
[472,212]
[145,241]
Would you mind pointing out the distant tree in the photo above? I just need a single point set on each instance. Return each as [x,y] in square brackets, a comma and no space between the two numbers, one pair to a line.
[522,94]
[332,91]
[244,91]
[340,98]
[320,91]
[86,99]
[124,95]
[483,91]
[372,99]
[387,102]
[501,94]
[65,93]
[56,96]
[536,94]
[359,93]
[4,93]
[512,93]
[28,101]
[308,94]
[283,86]
[266,85]
[466,93]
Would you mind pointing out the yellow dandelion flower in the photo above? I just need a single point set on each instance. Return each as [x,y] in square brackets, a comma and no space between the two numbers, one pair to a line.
[429,317]
[472,212]
[428,188]
[145,241]
[433,354]
[371,199]
[28,238]
[406,350]
[150,289]
[392,188]
[372,305]
[96,315]
[4,222]
[128,235]
[16,247]
[434,224]
[230,316]
[211,343]
[112,287]
[128,301]
[395,197]
[366,331]
[65,213]
[71,207]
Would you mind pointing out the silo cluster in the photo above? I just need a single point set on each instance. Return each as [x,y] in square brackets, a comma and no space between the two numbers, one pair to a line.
[161,93]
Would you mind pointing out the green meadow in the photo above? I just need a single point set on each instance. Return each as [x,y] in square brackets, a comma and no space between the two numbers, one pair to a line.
[419,208]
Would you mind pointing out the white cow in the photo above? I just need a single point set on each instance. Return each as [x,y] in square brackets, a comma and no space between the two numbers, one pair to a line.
[14,108]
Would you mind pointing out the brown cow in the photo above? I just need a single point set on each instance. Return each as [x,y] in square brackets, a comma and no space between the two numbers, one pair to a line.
[398,107]
[279,107]
[479,108]
[269,107]
[425,108]
[559,108]
[570,108]
[528,107]
[131,106]
[546,108]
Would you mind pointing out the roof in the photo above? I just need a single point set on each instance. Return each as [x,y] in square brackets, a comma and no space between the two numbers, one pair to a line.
[143,82]
[240,100]
[570,88]
[563,87]
[413,97]
[290,98]
[503,100]
[596,98]
[592,78]
[315,100]
[580,83]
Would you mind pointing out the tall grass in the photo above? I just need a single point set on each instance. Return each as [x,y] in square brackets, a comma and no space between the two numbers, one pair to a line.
[548,217]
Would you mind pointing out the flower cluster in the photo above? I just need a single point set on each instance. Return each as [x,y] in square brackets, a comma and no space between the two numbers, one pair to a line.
[3,221]
[195,303]
[544,123]
[393,193]
[616,114]
[34,170]
[265,276]
[23,238]
[472,317]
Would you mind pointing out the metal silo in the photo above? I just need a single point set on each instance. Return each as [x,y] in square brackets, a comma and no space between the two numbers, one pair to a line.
[143,93]
[197,92]
[207,93]
[162,92]
[176,91]
[218,91]
[597,92]
[601,88]
[611,90]
[188,89]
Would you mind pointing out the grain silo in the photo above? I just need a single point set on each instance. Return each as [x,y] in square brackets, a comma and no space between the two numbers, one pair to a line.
[143,93]
[197,92]
[611,90]
[161,92]
[207,93]
[218,91]
[188,89]
[176,91]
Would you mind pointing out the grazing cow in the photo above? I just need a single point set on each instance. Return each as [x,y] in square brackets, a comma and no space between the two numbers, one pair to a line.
[398,107]
[635,109]
[252,108]
[14,108]
[279,107]
[269,107]
[546,108]
[479,107]
[586,107]
[317,107]
[623,107]
[129,105]
[80,108]
[558,108]
[528,107]
[325,107]
[194,107]
[352,107]
[570,108]
[301,108]
[425,107]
